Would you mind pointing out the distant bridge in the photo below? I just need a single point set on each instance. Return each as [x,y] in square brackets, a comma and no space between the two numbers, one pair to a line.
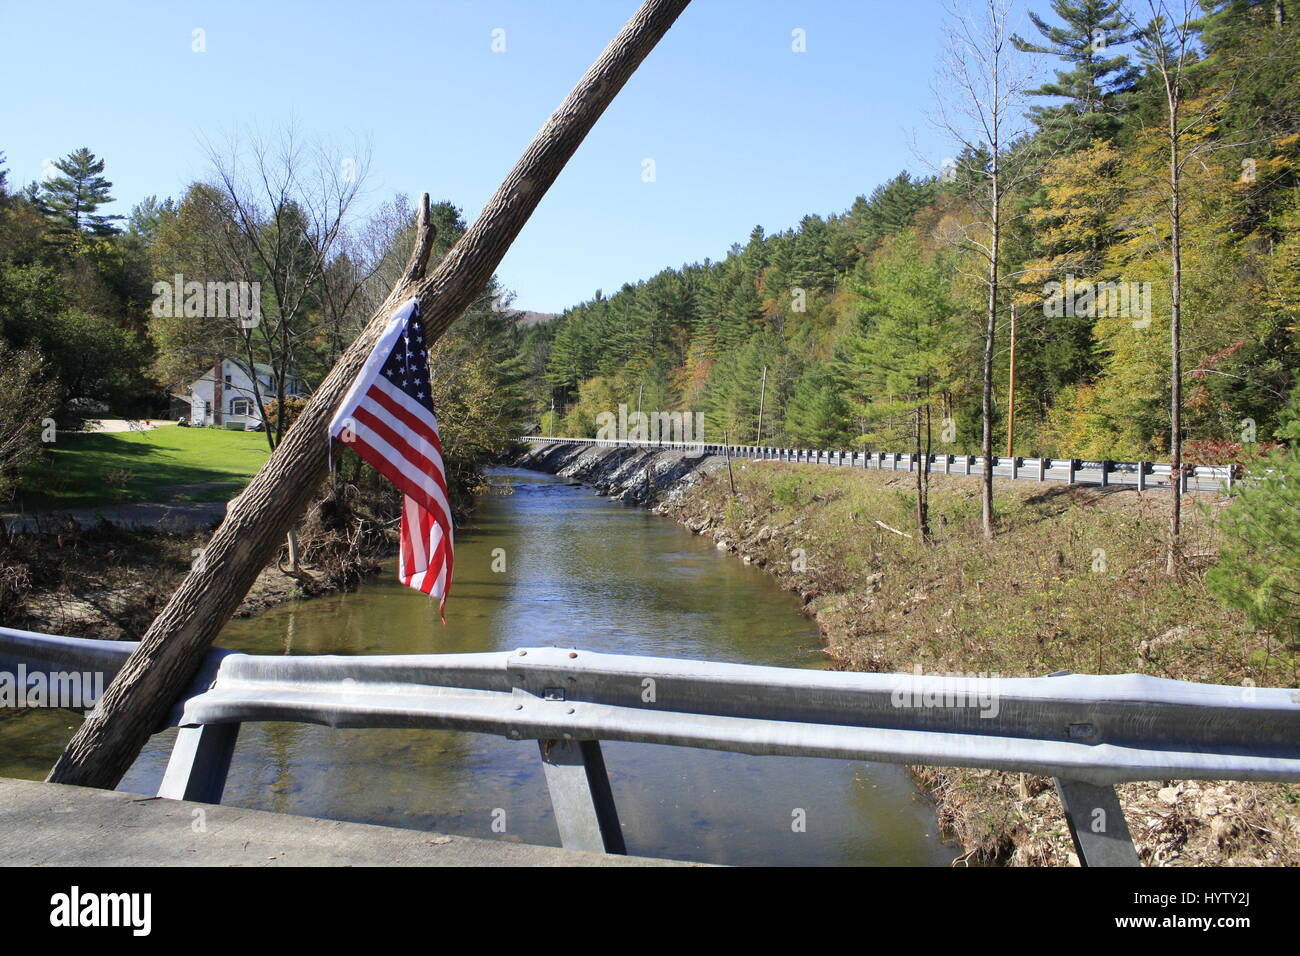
[1086,732]
[1141,475]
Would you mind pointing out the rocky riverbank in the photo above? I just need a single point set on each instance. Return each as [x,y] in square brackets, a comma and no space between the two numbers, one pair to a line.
[1034,601]
[109,582]
[623,474]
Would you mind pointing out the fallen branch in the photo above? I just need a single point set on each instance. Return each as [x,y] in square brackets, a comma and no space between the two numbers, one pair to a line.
[895,530]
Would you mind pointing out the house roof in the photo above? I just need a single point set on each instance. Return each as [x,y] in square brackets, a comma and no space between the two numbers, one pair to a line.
[262,369]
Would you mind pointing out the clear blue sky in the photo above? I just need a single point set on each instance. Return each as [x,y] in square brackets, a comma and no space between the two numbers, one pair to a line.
[743,131]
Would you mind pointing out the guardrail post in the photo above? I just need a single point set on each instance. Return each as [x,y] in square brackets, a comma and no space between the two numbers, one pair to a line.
[580,793]
[1105,473]
[1097,824]
[966,463]
[1071,469]
[199,763]
[1042,468]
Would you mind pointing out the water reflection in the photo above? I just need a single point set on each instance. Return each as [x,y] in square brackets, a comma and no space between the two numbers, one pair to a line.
[579,571]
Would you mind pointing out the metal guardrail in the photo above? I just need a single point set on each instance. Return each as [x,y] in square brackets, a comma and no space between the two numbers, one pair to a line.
[1087,732]
[1074,471]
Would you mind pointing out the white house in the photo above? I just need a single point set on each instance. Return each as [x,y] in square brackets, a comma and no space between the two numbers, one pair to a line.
[234,401]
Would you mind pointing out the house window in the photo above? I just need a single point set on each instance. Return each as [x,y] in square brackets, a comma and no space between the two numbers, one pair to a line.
[227,381]
[241,406]
[207,408]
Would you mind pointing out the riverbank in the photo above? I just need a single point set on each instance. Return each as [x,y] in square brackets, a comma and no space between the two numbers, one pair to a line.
[107,581]
[546,559]
[1073,581]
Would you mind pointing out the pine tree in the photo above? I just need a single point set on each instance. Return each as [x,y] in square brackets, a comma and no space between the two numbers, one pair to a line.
[147,215]
[818,415]
[891,207]
[1258,569]
[1095,85]
[69,201]
[899,356]
[1230,23]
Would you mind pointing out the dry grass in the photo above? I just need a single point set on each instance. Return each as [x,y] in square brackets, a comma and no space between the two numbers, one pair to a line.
[1074,580]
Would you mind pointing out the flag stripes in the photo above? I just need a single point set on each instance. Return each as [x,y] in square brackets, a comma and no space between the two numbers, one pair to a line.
[387,418]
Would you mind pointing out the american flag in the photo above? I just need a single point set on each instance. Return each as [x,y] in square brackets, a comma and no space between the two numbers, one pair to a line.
[387,418]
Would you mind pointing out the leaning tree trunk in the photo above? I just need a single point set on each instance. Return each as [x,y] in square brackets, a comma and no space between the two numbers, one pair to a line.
[139,699]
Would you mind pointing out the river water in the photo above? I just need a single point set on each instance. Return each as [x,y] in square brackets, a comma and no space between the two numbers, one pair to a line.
[579,571]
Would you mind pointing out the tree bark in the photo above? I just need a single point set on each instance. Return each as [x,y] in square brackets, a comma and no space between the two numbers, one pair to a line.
[923,446]
[218,390]
[1175,334]
[990,341]
[137,702]
[995,275]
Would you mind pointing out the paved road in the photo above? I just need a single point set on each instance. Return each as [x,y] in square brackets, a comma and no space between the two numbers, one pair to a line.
[1083,476]
[47,824]
[1123,475]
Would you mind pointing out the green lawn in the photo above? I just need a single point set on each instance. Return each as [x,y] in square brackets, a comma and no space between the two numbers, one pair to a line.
[98,469]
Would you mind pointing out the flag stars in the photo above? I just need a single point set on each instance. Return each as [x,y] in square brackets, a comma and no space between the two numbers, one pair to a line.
[407,366]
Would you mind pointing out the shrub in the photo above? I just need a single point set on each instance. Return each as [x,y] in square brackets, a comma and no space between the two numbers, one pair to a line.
[1259,564]
[27,400]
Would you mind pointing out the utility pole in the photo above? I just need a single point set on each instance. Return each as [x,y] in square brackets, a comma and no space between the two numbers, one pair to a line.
[1011,401]
[762,394]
